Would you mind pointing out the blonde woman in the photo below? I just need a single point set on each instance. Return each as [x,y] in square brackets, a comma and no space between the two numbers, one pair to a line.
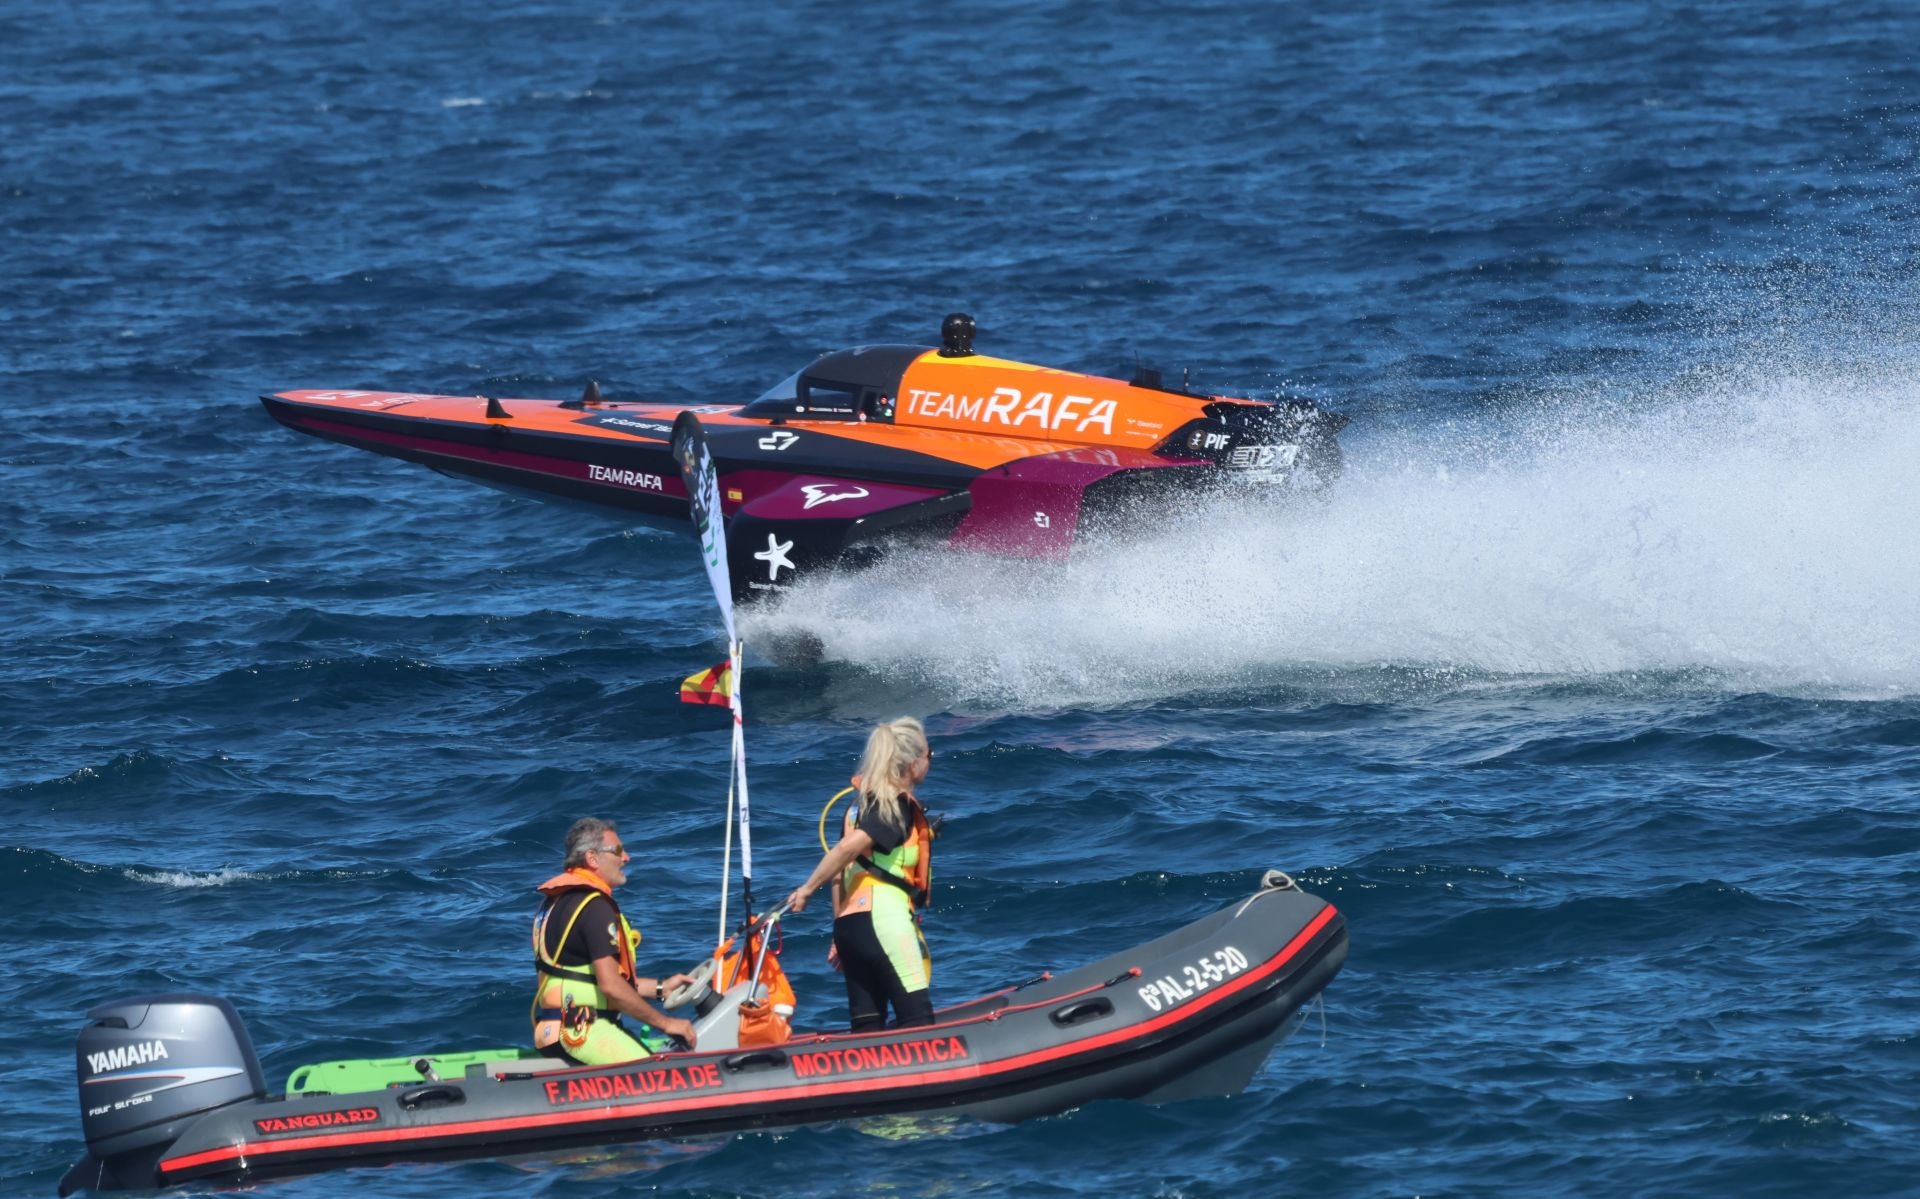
[880,871]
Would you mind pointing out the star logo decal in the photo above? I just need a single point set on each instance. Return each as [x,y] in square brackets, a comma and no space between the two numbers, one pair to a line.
[775,556]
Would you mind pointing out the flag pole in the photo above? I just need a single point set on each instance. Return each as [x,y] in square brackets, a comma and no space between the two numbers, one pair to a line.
[726,863]
[740,769]
[702,479]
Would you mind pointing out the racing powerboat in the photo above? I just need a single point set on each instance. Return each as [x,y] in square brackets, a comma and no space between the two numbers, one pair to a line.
[864,449]
[171,1090]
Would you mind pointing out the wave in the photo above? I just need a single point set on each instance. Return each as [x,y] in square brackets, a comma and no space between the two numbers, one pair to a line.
[190,879]
[140,766]
[31,868]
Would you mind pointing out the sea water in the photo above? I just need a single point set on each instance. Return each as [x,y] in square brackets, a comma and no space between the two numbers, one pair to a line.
[1588,694]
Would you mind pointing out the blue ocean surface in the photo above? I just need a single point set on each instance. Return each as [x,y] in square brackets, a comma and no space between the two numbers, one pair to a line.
[1591,695]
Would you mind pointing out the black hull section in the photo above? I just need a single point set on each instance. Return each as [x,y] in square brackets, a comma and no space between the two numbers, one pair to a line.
[636,481]
[1192,1013]
[538,461]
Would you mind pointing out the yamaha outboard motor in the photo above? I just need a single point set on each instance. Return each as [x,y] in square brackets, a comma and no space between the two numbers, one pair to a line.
[148,1067]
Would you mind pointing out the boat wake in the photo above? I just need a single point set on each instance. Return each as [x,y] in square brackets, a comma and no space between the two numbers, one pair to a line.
[1740,530]
[192,879]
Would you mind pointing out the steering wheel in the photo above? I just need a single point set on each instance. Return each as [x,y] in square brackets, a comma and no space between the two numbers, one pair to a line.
[699,988]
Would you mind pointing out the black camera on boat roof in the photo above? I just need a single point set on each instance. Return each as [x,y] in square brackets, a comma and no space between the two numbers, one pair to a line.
[956,335]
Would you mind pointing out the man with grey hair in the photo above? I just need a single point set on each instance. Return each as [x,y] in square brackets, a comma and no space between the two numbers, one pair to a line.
[583,951]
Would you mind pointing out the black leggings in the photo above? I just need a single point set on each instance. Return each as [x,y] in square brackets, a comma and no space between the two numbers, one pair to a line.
[871,981]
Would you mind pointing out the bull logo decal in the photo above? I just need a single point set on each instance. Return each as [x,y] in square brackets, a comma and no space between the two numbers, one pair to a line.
[825,493]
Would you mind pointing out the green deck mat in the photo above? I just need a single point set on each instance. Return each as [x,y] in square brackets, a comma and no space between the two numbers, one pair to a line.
[376,1074]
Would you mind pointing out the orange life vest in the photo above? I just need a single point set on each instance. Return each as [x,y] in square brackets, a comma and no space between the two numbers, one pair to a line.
[577,879]
[917,879]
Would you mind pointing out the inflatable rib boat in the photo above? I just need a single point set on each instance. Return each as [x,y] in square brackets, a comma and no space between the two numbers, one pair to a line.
[172,1092]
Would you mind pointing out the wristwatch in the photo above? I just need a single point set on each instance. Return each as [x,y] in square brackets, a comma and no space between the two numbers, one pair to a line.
[659,990]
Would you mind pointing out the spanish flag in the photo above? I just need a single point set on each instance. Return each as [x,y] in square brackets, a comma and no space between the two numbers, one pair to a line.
[711,686]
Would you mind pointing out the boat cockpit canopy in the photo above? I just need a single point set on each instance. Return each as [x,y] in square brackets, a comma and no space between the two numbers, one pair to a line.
[858,384]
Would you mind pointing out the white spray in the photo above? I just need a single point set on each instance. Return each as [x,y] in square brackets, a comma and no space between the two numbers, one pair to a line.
[1755,528]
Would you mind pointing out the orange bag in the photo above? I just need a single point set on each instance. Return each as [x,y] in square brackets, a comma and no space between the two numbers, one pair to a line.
[764,1022]
[762,1025]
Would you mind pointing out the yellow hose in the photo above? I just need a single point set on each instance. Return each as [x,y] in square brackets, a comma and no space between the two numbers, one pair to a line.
[823,815]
